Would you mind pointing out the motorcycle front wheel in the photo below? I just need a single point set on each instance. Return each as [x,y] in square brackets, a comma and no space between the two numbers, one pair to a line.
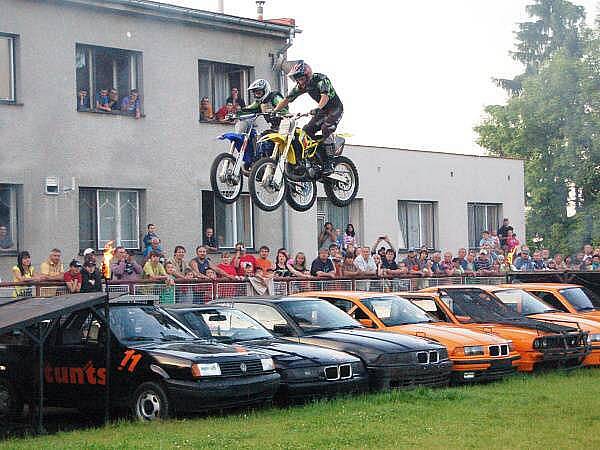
[341,193]
[263,191]
[301,195]
[226,185]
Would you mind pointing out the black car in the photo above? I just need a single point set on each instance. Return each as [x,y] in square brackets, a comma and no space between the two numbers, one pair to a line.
[157,366]
[393,360]
[307,371]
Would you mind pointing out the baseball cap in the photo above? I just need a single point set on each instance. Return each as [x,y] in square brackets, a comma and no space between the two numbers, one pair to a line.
[87,251]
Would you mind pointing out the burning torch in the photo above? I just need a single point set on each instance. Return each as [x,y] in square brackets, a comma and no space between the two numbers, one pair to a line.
[107,257]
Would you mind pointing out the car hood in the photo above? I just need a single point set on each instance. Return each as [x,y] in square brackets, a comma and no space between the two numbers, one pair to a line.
[449,336]
[198,351]
[368,344]
[288,354]
[570,320]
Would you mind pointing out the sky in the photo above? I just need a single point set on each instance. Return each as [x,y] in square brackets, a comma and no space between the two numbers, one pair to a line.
[412,74]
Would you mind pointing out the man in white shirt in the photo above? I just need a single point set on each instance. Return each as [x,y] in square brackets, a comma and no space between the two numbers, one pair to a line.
[365,263]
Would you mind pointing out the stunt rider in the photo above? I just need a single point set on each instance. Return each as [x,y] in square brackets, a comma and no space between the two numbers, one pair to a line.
[329,111]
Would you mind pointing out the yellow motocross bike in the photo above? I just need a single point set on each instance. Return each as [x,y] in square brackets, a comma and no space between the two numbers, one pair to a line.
[294,167]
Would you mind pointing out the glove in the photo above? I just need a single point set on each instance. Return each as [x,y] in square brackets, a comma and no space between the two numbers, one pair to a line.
[314,112]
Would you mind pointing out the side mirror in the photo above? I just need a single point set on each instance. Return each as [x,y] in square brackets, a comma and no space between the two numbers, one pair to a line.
[366,323]
[283,329]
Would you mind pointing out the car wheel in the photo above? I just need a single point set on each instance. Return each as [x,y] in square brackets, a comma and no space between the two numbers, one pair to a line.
[150,402]
[11,403]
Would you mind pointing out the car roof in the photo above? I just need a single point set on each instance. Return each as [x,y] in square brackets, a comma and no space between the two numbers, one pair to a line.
[543,285]
[272,299]
[483,287]
[417,294]
[186,306]
[351,294]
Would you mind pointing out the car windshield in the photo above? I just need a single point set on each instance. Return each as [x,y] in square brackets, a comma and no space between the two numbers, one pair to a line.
[225,325]
[522,302]
[393,310]
[582,299]
[313,316]
[476,305]
[145,323]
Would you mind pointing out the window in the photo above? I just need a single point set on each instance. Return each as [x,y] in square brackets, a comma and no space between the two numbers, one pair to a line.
[8,217]
[7,68]
[106,215]
[339,217]
[551,300]
[266,315]
[217,79]
[102,68]
[232,223]
[417,224]
[482,217]
[80,329]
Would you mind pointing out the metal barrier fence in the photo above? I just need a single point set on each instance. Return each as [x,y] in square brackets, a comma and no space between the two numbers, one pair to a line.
[204,292]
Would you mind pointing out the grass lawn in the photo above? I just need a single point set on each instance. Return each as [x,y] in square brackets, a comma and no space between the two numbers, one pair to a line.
[552,410]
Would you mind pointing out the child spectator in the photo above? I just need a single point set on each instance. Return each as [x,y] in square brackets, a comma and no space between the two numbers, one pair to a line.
[102,100]
[226,265]
[206,111]
[348,268]
[281,268]
[349,237]
[595,262]
[72,277]
[261,282]
[167,295]
[298,266]
[131,104]
[226,113]
[148,237]
[242,259]
[91,279]
[511,241]
[83,100]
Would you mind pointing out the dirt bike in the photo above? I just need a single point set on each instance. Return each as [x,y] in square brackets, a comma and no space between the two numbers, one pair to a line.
[294,167]
[228,169]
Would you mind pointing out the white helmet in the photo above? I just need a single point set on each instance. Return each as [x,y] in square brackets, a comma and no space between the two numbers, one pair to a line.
[260,85]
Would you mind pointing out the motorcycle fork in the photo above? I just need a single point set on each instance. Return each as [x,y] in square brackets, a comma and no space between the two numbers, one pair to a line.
[280,167]
[240,157]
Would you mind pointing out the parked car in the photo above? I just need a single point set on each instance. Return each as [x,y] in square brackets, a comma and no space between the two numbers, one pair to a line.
[570,298]
[540,344]
[157,366]
[393,361]
[307,371]
[528,305]
[476,356]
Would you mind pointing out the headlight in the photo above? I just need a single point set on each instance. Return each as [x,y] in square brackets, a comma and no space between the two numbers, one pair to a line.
[267,364]
[511,346]
[475,350]
[593,337]
[206,370]
[539,343]
[303,373]
[358,368]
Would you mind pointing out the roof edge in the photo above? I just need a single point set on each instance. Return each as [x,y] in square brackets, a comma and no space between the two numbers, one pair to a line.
[508,158]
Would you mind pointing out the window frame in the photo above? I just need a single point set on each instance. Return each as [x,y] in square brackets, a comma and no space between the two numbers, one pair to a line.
[13,223]
[12,70]
[246,74]
[477,233]
[234,206]
[405,233]
[135,79]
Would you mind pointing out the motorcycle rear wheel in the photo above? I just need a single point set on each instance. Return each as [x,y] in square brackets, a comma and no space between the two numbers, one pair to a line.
[228,187]
[341,193]
[260,184]
[301,195]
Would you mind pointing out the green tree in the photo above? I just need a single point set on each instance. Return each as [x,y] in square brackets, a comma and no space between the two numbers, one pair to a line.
[552,121]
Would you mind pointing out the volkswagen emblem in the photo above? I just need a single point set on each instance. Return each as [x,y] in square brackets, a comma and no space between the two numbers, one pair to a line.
[243,367]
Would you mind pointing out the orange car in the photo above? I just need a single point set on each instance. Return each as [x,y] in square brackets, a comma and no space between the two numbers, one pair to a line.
[527,304]
[570,298]
[540,344]
[476,356]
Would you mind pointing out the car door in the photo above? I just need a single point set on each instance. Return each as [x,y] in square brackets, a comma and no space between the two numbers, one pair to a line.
[550,299]
[270,318]
[75,371]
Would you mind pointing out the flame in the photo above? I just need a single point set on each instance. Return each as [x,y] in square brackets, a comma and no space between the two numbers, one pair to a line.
[109,252]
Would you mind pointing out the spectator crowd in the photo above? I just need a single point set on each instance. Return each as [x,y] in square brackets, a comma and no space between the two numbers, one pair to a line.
[340,255]
[226,113]
[108,101]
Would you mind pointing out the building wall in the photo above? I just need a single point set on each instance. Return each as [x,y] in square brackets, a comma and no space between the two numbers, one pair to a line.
[167,154]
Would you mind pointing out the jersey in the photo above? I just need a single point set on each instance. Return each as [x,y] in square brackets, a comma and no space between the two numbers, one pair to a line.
[317,85]
[267,105]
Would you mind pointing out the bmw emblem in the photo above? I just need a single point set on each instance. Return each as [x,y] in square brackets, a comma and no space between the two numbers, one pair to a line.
[243,367]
